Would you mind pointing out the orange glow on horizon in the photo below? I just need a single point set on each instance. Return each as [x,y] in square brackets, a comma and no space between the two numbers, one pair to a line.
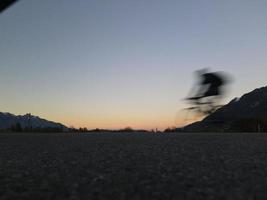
[116,124]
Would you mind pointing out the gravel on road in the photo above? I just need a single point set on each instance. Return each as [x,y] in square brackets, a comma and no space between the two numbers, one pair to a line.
[133,166]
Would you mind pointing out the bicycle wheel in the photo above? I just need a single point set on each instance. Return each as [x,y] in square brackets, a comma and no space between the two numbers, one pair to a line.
[187,116]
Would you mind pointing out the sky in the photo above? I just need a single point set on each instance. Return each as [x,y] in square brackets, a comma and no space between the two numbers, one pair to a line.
[125,63]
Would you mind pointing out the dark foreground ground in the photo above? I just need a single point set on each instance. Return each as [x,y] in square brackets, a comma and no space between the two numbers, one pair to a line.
[128,166]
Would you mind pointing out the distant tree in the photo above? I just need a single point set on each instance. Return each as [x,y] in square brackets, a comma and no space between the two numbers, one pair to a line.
[83,129]
[16,128]
[72,129]
[168,130]
[127,129]
[249,125]
[171,130]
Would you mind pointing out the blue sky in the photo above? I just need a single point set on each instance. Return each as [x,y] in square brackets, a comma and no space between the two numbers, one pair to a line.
[111,64]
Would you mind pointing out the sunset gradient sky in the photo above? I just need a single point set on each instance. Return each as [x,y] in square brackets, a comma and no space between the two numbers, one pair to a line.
[118,63]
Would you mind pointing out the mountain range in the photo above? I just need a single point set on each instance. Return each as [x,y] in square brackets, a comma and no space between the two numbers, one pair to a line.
[247,113]
[8,120]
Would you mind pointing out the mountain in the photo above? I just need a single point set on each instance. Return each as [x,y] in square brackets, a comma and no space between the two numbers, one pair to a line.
[248,113]
[8,120]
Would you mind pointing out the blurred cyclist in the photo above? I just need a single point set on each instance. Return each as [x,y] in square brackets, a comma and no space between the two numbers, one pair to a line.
[4,4]
[210,85]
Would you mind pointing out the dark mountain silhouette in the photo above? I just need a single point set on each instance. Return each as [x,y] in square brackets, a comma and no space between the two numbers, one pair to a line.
[248,113]
[28,121]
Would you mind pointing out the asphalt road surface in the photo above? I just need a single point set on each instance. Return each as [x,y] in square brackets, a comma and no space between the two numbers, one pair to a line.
[133,166]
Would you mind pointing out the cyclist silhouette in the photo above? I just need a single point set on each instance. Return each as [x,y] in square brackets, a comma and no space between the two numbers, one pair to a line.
[209,89]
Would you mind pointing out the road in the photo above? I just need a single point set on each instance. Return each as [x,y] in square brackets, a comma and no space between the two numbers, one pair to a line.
[133,166]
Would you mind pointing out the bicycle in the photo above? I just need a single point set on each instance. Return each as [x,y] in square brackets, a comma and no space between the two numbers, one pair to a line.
[199,108]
